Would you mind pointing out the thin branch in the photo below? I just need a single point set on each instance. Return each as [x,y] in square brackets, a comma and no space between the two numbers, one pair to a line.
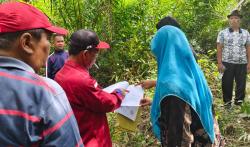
[240,4]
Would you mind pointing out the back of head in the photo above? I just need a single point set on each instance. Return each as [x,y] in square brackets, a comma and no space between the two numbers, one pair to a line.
[167,21]
[82,40]
[169,41]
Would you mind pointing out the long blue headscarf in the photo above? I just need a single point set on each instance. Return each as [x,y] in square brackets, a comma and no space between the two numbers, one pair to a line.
[179,75]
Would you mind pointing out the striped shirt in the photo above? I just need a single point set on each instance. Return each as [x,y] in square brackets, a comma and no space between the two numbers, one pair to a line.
[34,111]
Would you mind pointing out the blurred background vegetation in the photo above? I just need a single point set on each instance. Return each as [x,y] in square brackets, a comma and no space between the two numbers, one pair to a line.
[128,25]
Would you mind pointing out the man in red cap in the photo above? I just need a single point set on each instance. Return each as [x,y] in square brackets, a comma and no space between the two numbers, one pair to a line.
[88,101]
[34,111]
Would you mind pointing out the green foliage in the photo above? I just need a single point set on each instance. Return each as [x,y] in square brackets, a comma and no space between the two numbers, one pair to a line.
[234,127]
[142,137]
[211,73]
[201,20]
[122,24]
[246,16]
[128,25]
[245,108]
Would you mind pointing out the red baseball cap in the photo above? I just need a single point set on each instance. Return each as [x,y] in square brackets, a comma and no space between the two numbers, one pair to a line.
[102,45]
[18,16]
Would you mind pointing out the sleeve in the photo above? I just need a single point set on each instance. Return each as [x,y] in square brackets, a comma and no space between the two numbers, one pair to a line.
[49,68]
[220,38]
[248,39]
[94,98]
[60,124]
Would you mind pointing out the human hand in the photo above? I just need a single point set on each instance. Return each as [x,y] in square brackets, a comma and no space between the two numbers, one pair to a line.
[248,68]
[147,84]
[121,91]
[221,67]
[145,102]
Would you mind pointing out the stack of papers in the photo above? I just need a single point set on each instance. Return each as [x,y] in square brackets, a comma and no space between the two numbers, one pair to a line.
[130,104]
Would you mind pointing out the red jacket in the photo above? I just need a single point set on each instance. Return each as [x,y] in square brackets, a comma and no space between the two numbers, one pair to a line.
[89,103]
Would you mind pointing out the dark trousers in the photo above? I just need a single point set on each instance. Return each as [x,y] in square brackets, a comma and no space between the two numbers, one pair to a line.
[175,123]
[180,125]
[237,72]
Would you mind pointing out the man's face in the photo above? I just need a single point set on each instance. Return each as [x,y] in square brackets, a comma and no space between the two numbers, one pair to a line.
[59,42]
[234,21]
[41,52]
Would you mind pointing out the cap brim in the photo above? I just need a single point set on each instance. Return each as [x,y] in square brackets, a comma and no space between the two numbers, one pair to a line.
[103,45]
[57,30]
[240,16]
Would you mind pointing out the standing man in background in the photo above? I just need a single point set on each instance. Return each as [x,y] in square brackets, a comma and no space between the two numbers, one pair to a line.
[57,59]
[233,56]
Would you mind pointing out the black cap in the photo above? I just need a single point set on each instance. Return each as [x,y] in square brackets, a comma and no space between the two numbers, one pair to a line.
[235,13]
[85,40]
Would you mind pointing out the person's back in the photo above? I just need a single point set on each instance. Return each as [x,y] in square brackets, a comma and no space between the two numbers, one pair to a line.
[181,89]
[94,128]
[27,111]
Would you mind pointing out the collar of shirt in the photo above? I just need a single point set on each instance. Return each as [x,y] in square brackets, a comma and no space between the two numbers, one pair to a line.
[14,63]
[231,30]
[59,51]
[72,63]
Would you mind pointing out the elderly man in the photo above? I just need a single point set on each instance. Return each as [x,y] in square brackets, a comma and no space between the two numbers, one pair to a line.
[233,56]
[34,111]
[89,102]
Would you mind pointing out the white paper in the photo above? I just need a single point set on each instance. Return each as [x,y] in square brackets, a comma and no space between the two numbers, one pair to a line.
[131,102]
[134,96]
[111,88]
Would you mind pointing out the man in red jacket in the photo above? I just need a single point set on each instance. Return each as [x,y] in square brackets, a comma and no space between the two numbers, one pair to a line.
[89,102]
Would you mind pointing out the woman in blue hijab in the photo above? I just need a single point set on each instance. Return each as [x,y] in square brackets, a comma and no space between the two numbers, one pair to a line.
[181,111]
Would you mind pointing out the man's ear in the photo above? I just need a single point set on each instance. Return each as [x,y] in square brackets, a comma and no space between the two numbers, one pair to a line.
[84,53]
[81,57]
[27,43]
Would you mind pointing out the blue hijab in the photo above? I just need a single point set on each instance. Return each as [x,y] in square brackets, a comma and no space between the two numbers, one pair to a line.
[179,75]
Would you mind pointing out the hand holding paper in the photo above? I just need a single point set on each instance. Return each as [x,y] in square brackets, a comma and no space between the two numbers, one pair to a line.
[122,85]
[130,104]
[145,102]
[133,96]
